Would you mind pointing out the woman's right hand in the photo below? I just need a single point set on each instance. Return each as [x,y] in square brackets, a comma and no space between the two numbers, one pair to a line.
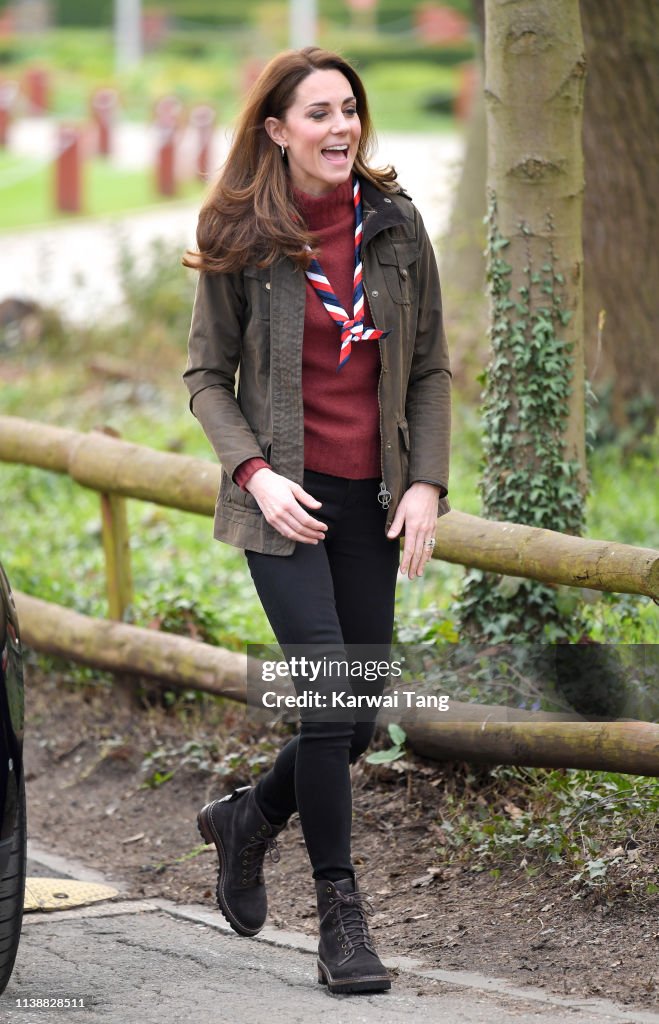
[279,499]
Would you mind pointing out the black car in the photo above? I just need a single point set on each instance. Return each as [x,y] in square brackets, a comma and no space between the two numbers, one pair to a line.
[13,821]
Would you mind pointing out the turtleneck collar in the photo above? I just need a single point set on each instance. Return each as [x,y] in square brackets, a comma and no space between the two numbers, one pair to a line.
[322,211]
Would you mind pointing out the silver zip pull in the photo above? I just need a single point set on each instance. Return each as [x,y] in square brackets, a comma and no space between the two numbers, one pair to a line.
[384,497]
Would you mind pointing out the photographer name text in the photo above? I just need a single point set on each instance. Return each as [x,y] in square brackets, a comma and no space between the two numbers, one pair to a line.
[343,699]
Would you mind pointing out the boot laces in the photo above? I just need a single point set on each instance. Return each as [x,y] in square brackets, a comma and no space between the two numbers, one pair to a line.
[254,853]
[352,909]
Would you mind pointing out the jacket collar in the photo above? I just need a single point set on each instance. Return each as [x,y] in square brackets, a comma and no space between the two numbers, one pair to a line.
[382,210]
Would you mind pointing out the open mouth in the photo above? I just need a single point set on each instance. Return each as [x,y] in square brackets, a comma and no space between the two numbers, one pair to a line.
[336,154]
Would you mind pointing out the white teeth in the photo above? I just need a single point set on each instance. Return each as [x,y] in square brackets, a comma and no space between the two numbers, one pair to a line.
[337,148]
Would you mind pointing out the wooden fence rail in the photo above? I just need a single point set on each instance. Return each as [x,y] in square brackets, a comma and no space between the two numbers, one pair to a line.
[488,734]
[110,465]
[119,470]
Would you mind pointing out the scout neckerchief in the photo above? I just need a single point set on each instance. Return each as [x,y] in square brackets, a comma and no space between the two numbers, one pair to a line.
[351,329]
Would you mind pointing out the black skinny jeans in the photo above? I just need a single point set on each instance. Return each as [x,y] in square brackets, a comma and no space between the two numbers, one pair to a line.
[326,596]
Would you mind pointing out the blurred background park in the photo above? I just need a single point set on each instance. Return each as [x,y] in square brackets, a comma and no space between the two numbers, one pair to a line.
[114,118]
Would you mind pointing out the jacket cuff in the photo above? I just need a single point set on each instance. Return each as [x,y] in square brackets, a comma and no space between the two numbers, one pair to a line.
[246,471]
[443,491]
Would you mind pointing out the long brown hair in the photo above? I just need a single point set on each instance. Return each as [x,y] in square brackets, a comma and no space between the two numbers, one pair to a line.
[249,215]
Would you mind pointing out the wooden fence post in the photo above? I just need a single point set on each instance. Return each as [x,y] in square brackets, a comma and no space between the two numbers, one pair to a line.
[116,545]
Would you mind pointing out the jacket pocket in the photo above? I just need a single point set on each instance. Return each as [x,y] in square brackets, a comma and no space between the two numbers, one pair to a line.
[397,259]
[257,290]
[232,499]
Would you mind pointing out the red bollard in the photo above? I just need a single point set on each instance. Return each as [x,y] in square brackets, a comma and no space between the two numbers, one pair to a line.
[466,94]
[168,118]
[104,108]
[155,29]
[251,70]
[7,24]
[8,91]
[37,90]
[203,118]
[68,169]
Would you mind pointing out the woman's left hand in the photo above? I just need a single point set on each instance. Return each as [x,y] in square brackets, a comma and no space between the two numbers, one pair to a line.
[417,512]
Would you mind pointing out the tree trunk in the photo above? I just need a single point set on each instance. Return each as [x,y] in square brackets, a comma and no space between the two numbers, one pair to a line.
[534,94]
[462,261]
[534,397]
[621,206]
[620,213]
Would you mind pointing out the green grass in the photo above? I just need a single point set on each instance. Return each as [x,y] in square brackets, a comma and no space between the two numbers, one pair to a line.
[27,189]
[623,497]
[398,95]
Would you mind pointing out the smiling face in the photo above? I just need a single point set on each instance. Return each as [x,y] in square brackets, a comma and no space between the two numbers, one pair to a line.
[321,132]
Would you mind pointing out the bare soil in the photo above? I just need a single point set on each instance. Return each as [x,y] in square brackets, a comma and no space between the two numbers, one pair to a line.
[87,765]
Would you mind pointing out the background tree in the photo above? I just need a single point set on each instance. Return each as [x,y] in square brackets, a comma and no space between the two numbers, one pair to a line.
[534,446]
[621,205]
[462,261]
[621,211]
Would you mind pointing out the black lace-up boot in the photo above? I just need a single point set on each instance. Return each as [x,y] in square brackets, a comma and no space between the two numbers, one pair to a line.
[347,961]
[242,837]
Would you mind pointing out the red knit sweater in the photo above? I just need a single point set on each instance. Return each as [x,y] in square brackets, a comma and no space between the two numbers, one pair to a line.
[341,411]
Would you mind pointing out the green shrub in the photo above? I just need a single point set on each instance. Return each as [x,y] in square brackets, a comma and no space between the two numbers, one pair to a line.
[392,15]
[83,13]
[439,102]
[382,49]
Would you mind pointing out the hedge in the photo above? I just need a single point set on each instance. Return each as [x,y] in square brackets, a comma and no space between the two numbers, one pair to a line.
[232,13]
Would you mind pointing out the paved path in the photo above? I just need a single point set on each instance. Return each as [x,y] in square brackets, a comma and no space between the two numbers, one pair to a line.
[73,266]
[159,963]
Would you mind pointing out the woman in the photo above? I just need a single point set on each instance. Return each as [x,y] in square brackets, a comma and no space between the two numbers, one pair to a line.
[334,445]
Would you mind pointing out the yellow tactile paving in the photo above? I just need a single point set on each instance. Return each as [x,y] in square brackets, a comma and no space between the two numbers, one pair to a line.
[63,893]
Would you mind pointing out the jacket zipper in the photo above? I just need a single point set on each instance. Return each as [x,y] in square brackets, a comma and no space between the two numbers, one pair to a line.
[384,495]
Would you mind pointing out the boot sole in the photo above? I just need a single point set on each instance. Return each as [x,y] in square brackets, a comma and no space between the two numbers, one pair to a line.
[376,983]
[210,838]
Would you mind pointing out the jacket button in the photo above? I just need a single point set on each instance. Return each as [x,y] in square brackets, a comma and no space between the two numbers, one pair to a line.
[267,284]
[375,294]
[388,445]
[387,200]
[403,273]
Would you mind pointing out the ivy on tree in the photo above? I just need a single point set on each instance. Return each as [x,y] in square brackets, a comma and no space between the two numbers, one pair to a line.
[525,475]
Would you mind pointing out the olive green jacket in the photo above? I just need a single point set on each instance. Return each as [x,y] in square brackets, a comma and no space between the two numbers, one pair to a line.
[249,324]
